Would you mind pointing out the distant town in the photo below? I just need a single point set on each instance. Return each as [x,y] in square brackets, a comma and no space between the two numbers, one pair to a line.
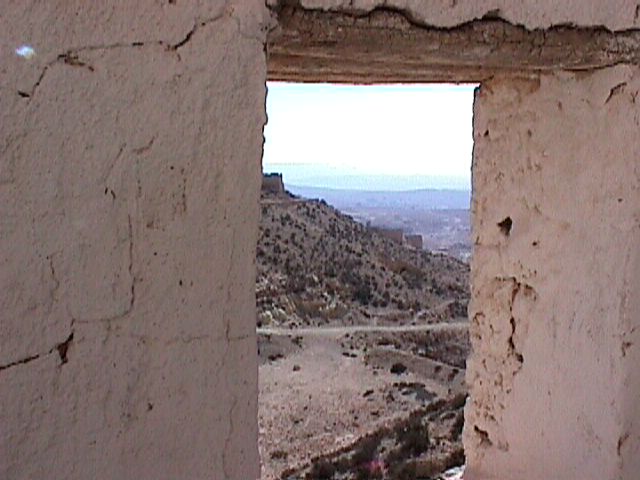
[437,220]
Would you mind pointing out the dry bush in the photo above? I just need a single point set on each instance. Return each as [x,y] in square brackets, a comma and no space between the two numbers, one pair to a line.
[321,470]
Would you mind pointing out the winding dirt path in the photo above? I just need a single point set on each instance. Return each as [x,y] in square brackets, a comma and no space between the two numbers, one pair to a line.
[350,329]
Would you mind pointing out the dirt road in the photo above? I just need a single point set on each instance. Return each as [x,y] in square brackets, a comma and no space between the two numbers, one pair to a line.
[351,329]
[321,393]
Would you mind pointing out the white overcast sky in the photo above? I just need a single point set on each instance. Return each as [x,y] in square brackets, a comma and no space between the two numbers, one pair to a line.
[378,130]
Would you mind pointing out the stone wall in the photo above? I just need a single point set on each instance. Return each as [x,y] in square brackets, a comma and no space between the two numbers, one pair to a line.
[555,219]
[555,275]
[130,152]
[394,234]
[415,241]
[130,149]
[272,183]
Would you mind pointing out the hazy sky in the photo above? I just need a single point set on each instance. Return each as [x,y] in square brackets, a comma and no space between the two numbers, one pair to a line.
[376,130]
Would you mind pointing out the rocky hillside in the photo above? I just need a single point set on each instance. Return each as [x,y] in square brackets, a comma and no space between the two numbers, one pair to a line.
[317,266]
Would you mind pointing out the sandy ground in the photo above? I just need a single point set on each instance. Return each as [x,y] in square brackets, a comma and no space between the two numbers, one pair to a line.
[323,389]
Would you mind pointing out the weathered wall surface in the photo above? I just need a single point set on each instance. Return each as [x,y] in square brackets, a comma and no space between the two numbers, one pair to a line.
[555,311]
[130,152]
[396,41]
[618,14]
[555,275]
[129,183]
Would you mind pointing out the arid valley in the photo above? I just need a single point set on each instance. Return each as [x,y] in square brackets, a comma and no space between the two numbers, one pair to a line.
[362,342]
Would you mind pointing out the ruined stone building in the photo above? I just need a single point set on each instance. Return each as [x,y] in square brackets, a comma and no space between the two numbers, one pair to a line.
[130,150]
[272,184]
[394,234]
[414,241]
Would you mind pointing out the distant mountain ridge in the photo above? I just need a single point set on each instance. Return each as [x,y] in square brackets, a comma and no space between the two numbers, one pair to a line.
[349,178]
[345,199]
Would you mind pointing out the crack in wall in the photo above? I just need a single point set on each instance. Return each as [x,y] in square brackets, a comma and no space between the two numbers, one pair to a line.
[483,435]
[62,349]
[21,361]
[71,57]
[518,289]
[230,436]
[132,292]
[54,277]
[132,275]
[616,90]
[189,35]
[621,441]
[502,360]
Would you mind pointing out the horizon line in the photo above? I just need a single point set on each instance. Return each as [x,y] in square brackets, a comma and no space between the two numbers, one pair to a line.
[445,189]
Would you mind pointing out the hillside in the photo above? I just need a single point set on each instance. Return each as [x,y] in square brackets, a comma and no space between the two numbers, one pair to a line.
[362,344]
[317,266]
[440,216]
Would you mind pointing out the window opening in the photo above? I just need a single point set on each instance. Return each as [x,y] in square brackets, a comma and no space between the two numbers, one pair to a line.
[362,284]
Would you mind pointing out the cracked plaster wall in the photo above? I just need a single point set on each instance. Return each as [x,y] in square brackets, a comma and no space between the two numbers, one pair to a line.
[130,152]
[129,181]
[555,275]
[616,15]
[553,378]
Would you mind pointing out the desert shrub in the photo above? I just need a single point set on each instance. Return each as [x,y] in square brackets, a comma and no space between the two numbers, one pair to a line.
[362,293]
[403,471]
[335,311]
[295,285]
[309,308]
[457,309]
[459,400]
[413,436]
[398,368]
[279,455]
[330,271]
[413,277]
[457,426]
[321,470]
[363,472]
[365,451]
[456,459]
[342,464]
